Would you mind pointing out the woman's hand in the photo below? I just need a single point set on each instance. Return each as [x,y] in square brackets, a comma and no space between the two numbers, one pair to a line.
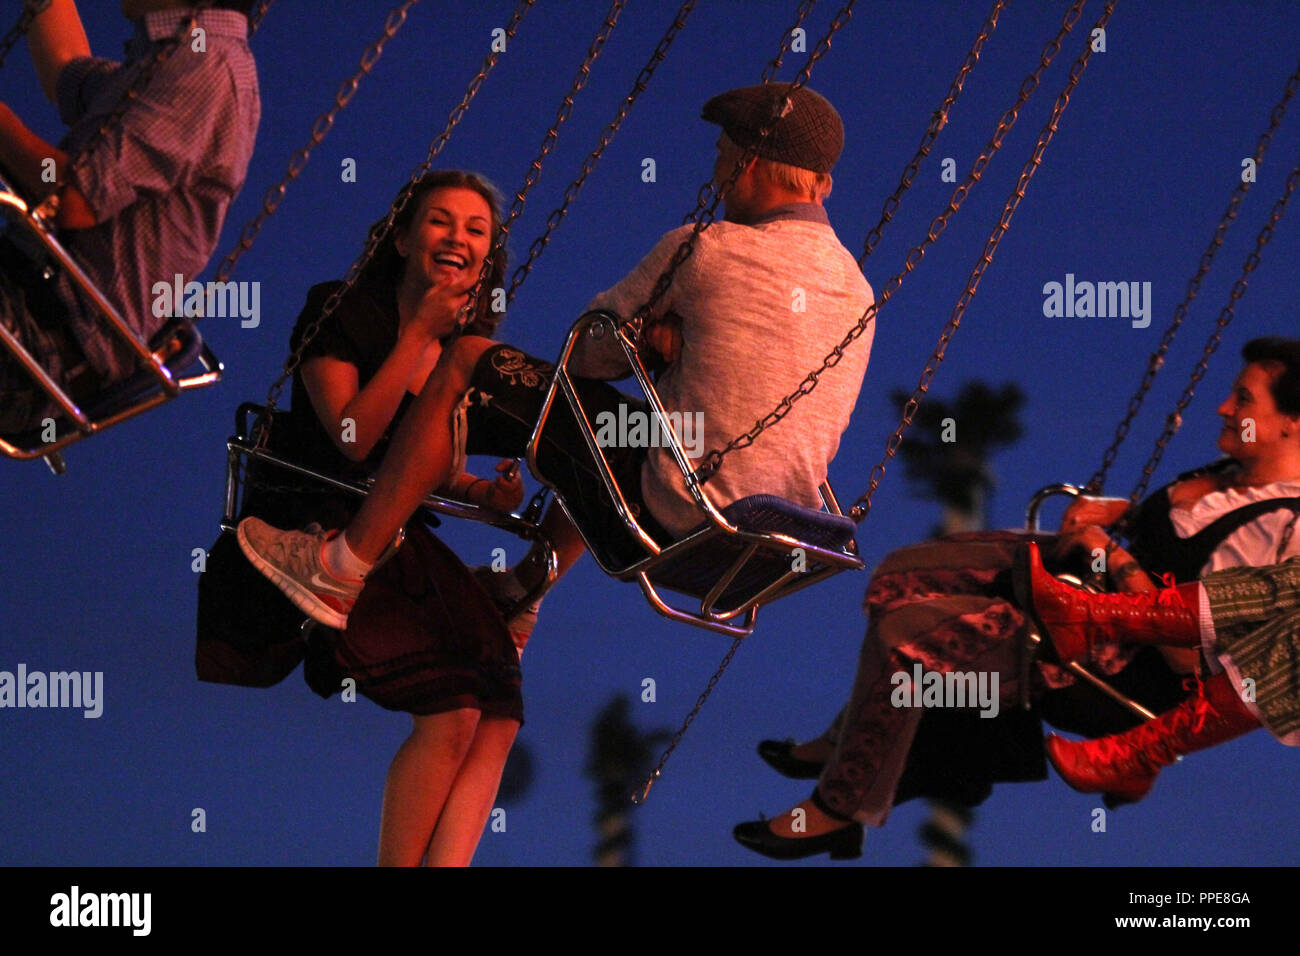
[504,494]
[1086,538]
[439,310]
[1084,511]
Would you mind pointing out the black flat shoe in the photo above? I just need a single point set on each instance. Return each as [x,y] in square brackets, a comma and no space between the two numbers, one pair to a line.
[842,844]
[777,755]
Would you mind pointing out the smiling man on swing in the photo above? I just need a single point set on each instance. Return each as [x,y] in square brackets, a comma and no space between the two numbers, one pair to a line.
[766,293]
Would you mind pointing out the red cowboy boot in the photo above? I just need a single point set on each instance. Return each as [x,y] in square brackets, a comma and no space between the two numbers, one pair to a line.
[1124,766]
[1073,619]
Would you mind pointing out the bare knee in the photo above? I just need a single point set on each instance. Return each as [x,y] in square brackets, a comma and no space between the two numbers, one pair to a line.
[452,732]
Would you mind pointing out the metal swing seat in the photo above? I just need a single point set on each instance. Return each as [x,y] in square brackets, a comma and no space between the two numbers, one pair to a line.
[175,360]
[243,449]
[745,554]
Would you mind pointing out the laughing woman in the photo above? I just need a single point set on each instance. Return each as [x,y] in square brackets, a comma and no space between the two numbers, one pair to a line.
[425,638]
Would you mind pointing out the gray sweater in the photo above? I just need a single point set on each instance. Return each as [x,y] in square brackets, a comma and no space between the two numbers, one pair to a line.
[760,306]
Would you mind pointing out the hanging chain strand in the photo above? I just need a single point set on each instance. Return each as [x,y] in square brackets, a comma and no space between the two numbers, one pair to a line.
[1175,419]
[713,459]
[640,798]
[768,73]
[377,237]
[548,143]
[606,137]
[1156,361]
[31,10]
[319,130]
[938,120]
[709,197]
[862,507]
[787,38]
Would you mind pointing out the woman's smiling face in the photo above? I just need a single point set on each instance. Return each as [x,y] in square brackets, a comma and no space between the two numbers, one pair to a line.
[448,238]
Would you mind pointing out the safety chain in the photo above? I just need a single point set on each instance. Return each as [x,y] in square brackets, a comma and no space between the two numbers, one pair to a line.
[937,122]
[862,507]
[640,798]
[635,324]
[535,168]
[319,130]
[713,459]
[606,137]
[31,10]
[1175,419]
[1157,358]
[377,237]
[787,38]
[711,197]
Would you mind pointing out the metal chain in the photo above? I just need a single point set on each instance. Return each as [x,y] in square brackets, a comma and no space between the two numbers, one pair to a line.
[606,137]
[640,798]
[31,10]
[535,167]
[769,74]
[1156,361]
[713,459]
[770,71]
[373,241]
[319,130]
[708,198]
[1175,419]
[787,38]
[938,120]
[862,507]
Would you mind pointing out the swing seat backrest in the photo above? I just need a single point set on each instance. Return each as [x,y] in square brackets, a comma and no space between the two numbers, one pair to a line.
[750,552]
[175,360]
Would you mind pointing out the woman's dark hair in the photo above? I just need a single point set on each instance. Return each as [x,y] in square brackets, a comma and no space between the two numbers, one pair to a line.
[387,264]
[1281,357]
[242,6]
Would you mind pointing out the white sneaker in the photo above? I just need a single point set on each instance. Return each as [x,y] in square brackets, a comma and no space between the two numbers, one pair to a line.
[291,560]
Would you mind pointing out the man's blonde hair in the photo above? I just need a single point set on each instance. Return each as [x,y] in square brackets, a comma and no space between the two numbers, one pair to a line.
[816,185]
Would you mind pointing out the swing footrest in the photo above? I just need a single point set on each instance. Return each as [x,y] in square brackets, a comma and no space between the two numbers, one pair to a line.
[779,547]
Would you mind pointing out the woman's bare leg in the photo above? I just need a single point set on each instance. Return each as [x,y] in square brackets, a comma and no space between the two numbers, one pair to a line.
[419,780]
[472,794]
[420,457]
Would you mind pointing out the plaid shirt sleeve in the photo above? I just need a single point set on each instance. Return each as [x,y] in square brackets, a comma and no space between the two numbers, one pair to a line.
[161,142]
[78,84]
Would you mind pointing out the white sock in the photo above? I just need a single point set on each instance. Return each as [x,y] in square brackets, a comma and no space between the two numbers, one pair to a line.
[341,562]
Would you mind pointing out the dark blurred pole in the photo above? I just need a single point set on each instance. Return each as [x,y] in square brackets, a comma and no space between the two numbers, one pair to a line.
[618,760]
[947,454]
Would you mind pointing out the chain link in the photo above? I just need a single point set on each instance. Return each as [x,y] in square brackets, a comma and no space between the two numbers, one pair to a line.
[377,237]
[319,130]
[938,120]
[768,73]
[1156,361]
[606,137]
[713,459]
[709,197]
[862,507]
[535,167]
[1175,419]
[640,798]
[31,10]
[787,38]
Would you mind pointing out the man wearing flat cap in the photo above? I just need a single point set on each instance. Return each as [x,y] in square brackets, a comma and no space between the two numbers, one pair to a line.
[763,299]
